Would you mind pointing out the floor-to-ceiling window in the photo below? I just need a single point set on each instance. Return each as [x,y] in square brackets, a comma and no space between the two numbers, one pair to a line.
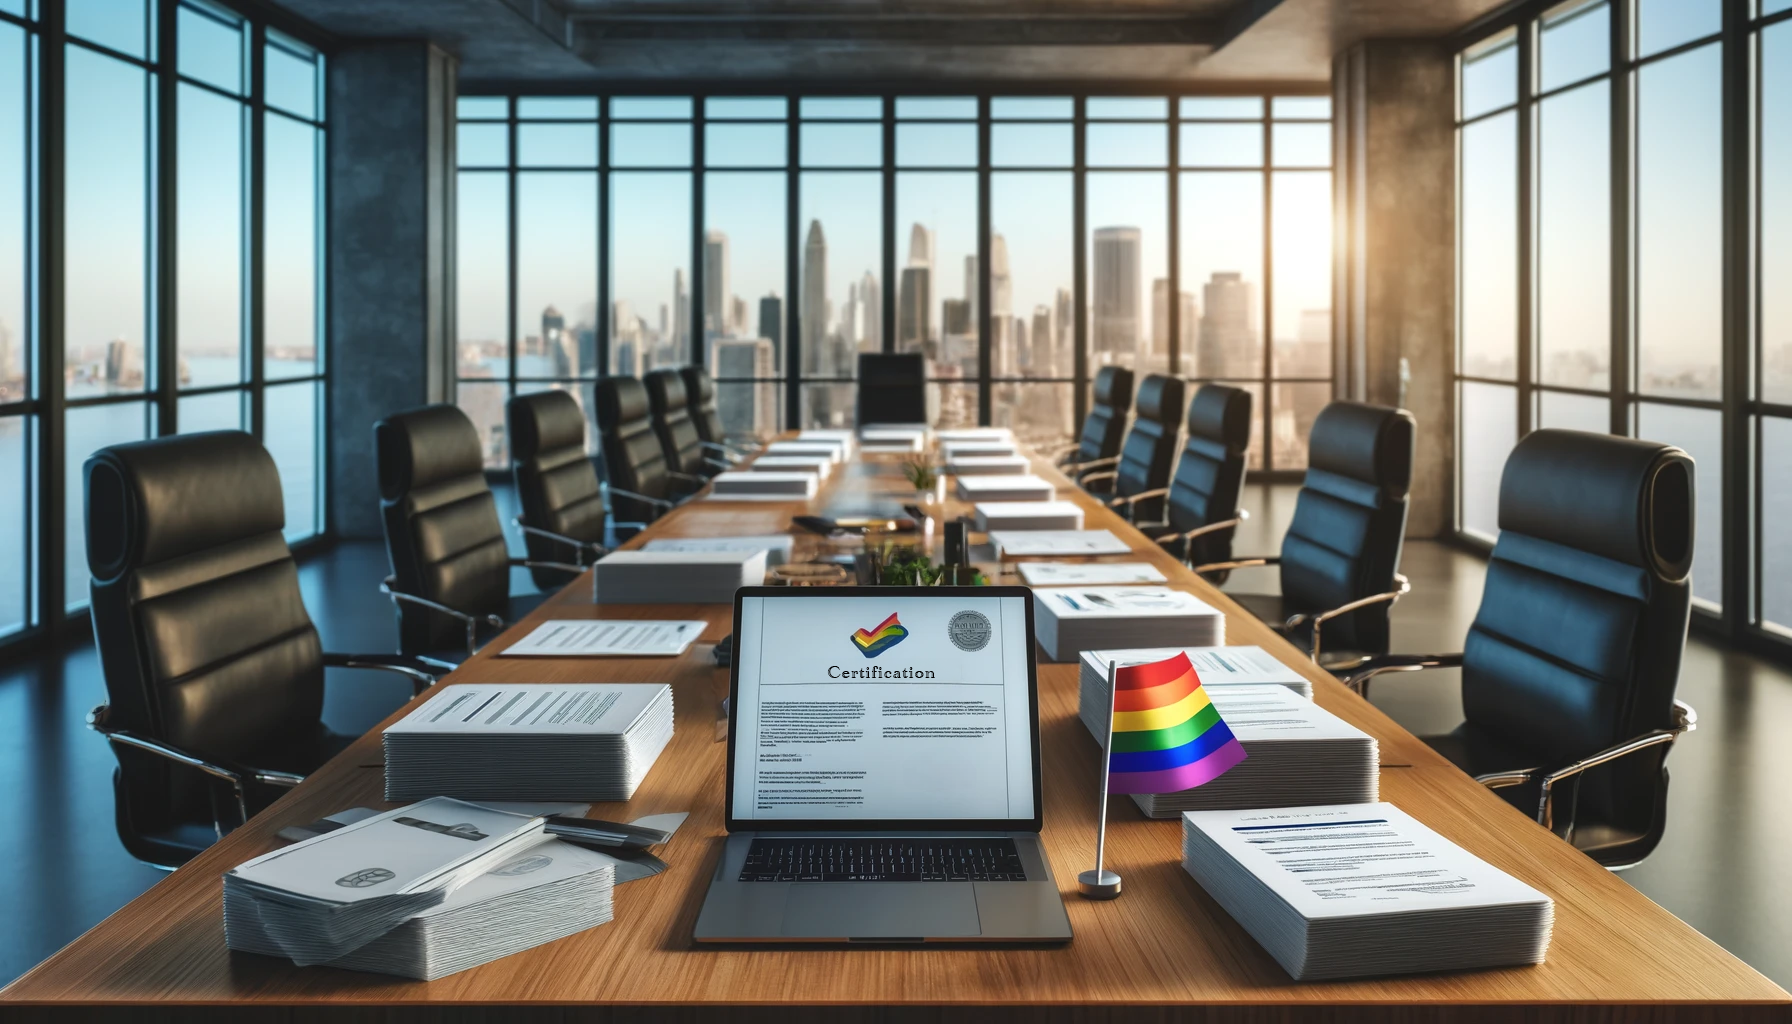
[1018,242]
[159,260]
[1620,219]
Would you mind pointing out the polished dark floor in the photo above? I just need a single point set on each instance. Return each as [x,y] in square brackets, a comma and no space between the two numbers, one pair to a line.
[1721,867]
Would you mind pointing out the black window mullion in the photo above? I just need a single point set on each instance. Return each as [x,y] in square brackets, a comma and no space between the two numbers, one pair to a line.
[1527,205]
[891,293]
[605,314]
[510,299]
[793,255]
[1622,90]
[1267,412]
[1080,256]
[51,354]
[697,318]
[1173,314]
[1741,587]
[257,305]
[986,316]
[164,245]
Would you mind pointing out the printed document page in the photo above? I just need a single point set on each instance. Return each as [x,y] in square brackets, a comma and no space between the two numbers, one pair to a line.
[597,638]
[1271,712]
[1058,542]
[1121,602]
[1350,860]
[1215,665]
[490,708]
[1060,574]
[883,708]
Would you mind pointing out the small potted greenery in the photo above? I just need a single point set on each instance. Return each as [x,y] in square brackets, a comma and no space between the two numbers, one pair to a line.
[921,474]
[908,567]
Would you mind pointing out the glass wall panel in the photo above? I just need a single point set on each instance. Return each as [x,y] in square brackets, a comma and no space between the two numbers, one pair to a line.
[1222,145]
[556,145]
[291,74]
[1221,108]
[484,405]
[751,411]
[105,224]
[1663,24]
[1489,75]
[840,303]
[650,145]
[1574,412]
[1031,212]
[556,271]
[212,46]
[294,447]
[1700,432]
[744,314]
[122,25]
[1574,299]
[477,144]
[1041,414]
[1296,406]
[575,108]
[291,224]
[482,274]
[15,492]
[829,406]
[1032,108]
[1775,213]
[209,237]
[88,429]
[937,277]
[722,108]
[1575,43]
[1301,145]
[1776,539]
[1128,257]
[1221,235]
[1127,145]
[15,240]
[1301,318]
[1487,244]
[841,145]
[1031,145]
[745,145]
[936,145]
[955,405]
[1487,428]
[1679,228]
[221,410]
[650,279]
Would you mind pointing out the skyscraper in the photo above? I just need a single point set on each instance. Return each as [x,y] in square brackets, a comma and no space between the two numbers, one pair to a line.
[914,309]
[1227,345]
[716,311]
[747,409]
[1116,293]
[1004,354]
[1186,327]
[814,309]
[871,305]
[970,284]
[771,321]
[681,313]
[1064,319]
[1041,363]
[556,345]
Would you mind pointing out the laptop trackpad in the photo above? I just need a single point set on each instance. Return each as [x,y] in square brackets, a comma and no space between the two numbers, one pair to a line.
[882,910]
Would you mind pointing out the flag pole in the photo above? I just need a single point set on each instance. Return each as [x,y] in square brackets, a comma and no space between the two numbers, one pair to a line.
[1100,884]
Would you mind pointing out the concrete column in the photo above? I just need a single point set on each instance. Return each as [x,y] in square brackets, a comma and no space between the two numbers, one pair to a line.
[390,252]
[1395,238]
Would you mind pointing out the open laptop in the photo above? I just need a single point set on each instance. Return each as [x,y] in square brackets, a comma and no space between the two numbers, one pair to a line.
[883,770]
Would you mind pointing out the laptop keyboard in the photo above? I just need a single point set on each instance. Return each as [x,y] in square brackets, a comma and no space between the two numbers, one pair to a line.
[883,860]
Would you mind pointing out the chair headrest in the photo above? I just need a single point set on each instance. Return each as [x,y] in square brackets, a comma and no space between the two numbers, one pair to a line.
[1368,443]
[1628,500]
[543,422]
[620,400]
[892,369]
[425,446]
[665,391]
[1222,415]
[699,387]
[1113,388]
[1160,399]
[151,501]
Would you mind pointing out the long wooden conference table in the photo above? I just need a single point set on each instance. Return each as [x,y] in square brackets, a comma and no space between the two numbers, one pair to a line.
[1163,950]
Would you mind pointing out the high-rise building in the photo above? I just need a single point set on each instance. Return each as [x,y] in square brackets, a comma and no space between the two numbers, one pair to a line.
[737,315]
[1116,293]
[871,310]
[1187,326]
[971,284]
[1227,345]
[955,318]
[1064,319]
[1004,353]
[771,321]
[814,309]
[716,311]
[557,345]
[1043,335]
[747,400]
[680,337]
[914,308]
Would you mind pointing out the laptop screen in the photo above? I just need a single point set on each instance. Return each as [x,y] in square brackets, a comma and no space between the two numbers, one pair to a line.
[899,706]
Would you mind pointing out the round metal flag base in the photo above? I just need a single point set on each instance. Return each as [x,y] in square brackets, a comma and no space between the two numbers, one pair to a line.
[1098,885]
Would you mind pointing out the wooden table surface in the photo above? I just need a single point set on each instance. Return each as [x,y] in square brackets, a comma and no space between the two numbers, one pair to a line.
[1163,950]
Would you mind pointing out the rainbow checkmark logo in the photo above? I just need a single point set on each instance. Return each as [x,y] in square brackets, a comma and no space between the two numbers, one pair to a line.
[873,642]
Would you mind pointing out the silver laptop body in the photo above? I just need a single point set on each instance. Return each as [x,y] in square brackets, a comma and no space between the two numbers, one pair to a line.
[827,878]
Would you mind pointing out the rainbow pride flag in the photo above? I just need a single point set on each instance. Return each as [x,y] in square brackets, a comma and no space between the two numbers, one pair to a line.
[873,642]
[1167,736]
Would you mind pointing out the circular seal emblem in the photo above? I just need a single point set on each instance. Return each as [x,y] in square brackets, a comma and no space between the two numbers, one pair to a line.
[969,631]
[363,878]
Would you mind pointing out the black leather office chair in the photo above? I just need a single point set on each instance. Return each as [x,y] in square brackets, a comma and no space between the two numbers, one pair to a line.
[214,671]
[1137,478]
[892,387]
[562,502]
[450,566]
[1569,671]
[700,399]
[641,485]
[1340,558]
[1105,425]
[672,424]
[1203,508]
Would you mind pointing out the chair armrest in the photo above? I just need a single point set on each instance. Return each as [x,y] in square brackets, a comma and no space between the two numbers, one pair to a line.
[725,451]
[1079,467]
[1402,587]
[1129,499]
[530,563]
[1089,478]
[1238,516]
[388,587]
[416,670]
[1382,664]
[656,502]
[1685,720]
[579,546]
[717,463]
[691,478]
[236,775]
[1240,563]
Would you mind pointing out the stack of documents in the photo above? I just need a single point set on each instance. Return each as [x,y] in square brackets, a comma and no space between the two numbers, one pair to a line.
[1070,620]
[548,892]
[1019,487]
[817,465]
[767,485]
[1084,574]
[842,439]
[326,897]
[677,577]
[1217,666]
[1297,752]
[601,638]
[1027,515]
[893,439]
[979,449]
[529,741]
[777,546]
[986,465]
[1362,889]
[1025,543]
[952,434]
[833,451]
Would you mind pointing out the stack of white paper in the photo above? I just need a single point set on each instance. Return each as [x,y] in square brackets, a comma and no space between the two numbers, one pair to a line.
[995,516]
[833,451]
[529,741]
[816,465]
[677,577]
[986,465]
[1028,543]
[978,449]
[548,892]
[974,434]
[1084,574]
[607,638]
[767,485]
[326,897]
[842,439]
[777,546]
[1362,889]
[1069,620]
[1296,751]
[1217,666]
[1020,487]
[893,439]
